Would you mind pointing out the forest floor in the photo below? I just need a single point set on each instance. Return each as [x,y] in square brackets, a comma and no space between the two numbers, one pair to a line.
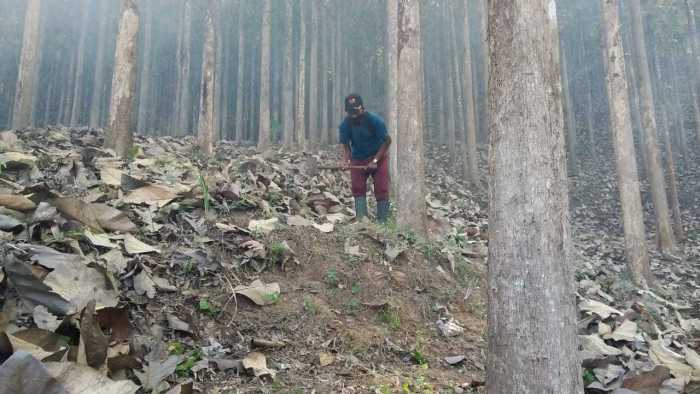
[246,274]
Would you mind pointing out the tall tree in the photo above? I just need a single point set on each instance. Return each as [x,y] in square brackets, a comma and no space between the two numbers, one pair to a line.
[472,162]
[119,135]
[530,273]
[300,122]
[264,123]
[205,133]
[623,141]
[391,88]
[287,79]
[28,73]
[240,74]
[678,230]
[98,82]
[569,115]
[146,60]
[654,171]
[80,66]
[182,110]
[410,196]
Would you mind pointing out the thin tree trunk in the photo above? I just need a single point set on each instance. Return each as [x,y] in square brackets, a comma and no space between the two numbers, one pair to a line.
[145,79]
[80,63]
[460,150]
[391,87]
[530,271]
[68,93]
[264,122]
[483,29]
[325,67]
[98,82]
[183,110]
[287,79]
[410,196]
[623,141]
[240,75]
[119,135]
[219,110]
[314,132]
[300,122]
[28,73]
[207,111]
[472,167]
[678,230]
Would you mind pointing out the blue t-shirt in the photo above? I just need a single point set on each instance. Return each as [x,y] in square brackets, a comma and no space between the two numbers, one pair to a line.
[364,135]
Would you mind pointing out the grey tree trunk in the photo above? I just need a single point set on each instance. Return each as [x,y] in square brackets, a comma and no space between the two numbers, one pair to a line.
[119,136]
[326,68]
[205,131]
[571,142]
[182,110]
[483,28]
[410,196]
[145,79]
[695,52]
[240,75]
[530,272]
[623,141]
[654,170]
[391,88]
[287,79]
[678,230]
[219,110]
[264,115]
[314,132]
[80,66]
[28,73]
[98,82]
[300,121]
[472,161]
[459,152]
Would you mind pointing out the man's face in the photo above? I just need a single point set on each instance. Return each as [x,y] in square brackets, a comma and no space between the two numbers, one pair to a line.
[356,111]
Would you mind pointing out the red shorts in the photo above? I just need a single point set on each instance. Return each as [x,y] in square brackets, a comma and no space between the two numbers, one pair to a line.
[380,177]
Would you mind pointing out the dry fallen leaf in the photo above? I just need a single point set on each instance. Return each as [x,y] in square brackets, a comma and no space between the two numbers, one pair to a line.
[93,345]
[77,378]
[45,319]
[256,364]
[99,217]
[17,202]
[144,284]
[260,293]
[134,246]
[150,195]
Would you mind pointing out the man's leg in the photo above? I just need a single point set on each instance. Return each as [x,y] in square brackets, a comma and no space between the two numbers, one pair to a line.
[358,179]
[381,189]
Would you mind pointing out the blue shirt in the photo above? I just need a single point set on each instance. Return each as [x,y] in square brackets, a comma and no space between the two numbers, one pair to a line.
[364,135]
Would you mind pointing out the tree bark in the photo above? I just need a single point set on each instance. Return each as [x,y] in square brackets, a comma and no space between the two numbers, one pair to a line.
[391,87]
[28,73]
[287,79]
[205,132]
[472,161]
[219,110]
[264,116]
[530,272]
[694,53]
[119,135]
[484,35]
[569,114]
[300,122]
[80,66]
[623,141]
[183,110]
[326,68]
[654,170]
[678,230]
[240,75]
[410,196]
[145,79]
[98,82]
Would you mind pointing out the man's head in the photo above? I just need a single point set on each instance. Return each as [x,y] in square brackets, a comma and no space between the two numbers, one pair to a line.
[354,106]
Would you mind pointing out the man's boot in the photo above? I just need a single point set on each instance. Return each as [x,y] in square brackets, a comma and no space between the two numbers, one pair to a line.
[382,211]
[360,208]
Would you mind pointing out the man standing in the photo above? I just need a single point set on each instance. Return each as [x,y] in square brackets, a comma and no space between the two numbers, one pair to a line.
[364,143]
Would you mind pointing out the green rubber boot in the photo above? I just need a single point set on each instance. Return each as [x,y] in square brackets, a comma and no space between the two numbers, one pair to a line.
[360,207]
[382,211]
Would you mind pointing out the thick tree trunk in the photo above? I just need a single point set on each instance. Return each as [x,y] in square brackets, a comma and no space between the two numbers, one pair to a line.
[240,75]
[325,77]
[694,44]
[145,79]
[569,114]
[28,73]
[530,272]
[205,131]
[80,66]
[314,131]
[182,110]
[287,79]
[219,110]
[391,87]
[623,141]
[264,122]
[472,162]
[98,82]
[119,135]
[300,122]
[410,196]
[678,230]
[654,170]
[483,28]
[459,148]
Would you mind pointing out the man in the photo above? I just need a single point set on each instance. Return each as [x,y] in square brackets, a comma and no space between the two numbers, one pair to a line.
[364,143]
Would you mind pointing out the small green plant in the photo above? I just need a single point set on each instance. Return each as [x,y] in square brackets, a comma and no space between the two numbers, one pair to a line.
[205,191]
[419,358]
[185,367]
[132,153]
[276,251]
[355,288]
[206,307]
[391,318]
[382,389]
[310,306]
[176,348]
[331,277]
[588,377]
[272,297]
[275,198]
[188,266]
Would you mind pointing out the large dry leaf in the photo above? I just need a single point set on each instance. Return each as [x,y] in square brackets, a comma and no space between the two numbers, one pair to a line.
[600,309]
[264,226]
[79,379]
[134,246]
[256,364]
[324,228]
[17,202]
[692,358]
[144,284]
[93,342]
[32,289]
[79,284]
[24,374]
[34,349]
[626,332]
[115,261]
[45,319]
[99,217]
[150,195]
[259,292]
[594,347]
[662,355]
[111,176]
[100,239]
[155,371]
[298,221]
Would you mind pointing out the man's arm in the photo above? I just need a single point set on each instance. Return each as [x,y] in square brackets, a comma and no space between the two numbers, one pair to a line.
[382,150]
[345,152]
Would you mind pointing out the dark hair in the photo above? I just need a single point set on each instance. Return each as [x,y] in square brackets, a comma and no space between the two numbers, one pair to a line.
[352,102]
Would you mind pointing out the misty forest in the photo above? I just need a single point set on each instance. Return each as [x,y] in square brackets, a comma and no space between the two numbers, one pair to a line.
[366,196]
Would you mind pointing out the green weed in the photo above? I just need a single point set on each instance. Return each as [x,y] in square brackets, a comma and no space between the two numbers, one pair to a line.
[391,318]
[310,306]
[205,191]
[331,277]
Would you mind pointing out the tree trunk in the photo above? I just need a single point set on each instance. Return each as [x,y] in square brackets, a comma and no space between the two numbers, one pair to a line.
[569,114]
[68,92]
[391,87]
[219,110]
[28,73]
[654,171]
[145,79]
[119,135]
[287,79]
[300,122]
[623,141]
[410,196]
[325,68]
[98,82]
[459,151]
[483,27]
[240,75]
[205,132]
[182,109]
[80,66]
[694,44]
[472,167]
[530,271]
[678,230]
[264,122]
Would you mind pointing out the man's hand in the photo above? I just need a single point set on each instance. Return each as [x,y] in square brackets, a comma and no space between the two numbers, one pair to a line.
[345,163]
[372,165]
